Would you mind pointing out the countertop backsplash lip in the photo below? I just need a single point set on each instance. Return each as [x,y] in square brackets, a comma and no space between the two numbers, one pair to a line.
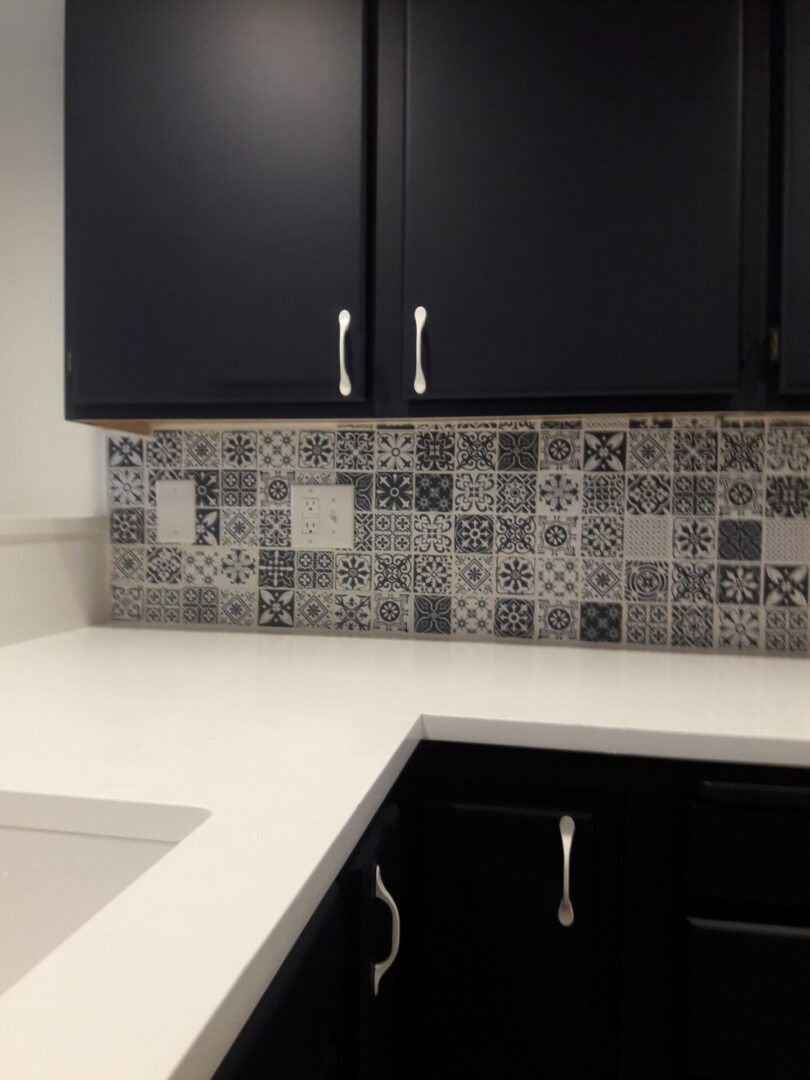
[669,531]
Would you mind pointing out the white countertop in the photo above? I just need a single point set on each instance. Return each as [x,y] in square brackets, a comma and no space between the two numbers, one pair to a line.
[291,742]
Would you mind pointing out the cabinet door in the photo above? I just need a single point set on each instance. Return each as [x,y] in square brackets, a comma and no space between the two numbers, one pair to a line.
[214,204]
[795,344]
[572,196]
[502,987]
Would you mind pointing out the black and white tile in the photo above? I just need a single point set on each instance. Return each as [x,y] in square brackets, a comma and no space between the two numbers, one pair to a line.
[683,532]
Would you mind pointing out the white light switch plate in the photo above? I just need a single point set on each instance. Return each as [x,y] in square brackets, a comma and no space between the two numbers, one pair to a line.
[322,516]
[175,511]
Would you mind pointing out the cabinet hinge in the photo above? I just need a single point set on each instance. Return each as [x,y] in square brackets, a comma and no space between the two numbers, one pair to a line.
[773,345]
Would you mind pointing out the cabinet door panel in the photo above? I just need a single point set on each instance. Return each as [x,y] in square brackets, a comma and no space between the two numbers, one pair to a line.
[572,196]
[796,225]
[214,200]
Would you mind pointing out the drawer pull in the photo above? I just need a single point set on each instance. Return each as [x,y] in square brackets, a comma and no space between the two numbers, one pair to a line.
[381,893]
[565,912]
[344,321]
[419,381]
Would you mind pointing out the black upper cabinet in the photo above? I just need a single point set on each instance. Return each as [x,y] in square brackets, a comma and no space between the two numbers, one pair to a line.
[215,204]
[796,209]
[573,181]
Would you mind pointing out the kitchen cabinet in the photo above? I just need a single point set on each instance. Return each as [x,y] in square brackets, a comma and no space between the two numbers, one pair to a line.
[573,197]
[795,312]
[215,206]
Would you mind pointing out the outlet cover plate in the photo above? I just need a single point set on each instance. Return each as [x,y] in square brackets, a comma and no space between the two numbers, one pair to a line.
[323,516]
[175,511]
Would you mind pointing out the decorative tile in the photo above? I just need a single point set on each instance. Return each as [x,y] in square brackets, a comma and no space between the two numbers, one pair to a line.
[200,606]
[237,608]
[647,624]
[363,484]
[206,527]
[557,622]
[355,450]
[788,447]
[647,537]
[315,476]
[738,583]
[238,527]
[474,533]
[514,618]
[474,492]
[278,449]
[316,450]
[239,449]
[126,527]
[646,582]
[692,626]
[516,493]
[694,450]
[391,613]
[738,627]
[600,622]
[274,487]
[740,496]
[742,450]
[516,533]
[434,491]
[125,452]
[127,563]
[393,532]
[648,494]
[603,536]
[561,423]
[395,449]
[150,526]
[313,570]
[431,614]
[558,493]
[276,607]
[353,572]
[704,421]
[275,528]
[560,449]
[163,565]
[162,606]
[558,578]
[739,540]
[693,582]
[393,573]
[786,540]
[787,496]
[475,450]
[201,449]
[694,494]
[363,531]
[556,535]
[351,611]
[650,422]
[514,575]
[649,450]
[394,491]
[517,451]
[605,451]
[277,568]
[785,586]
[601,579]
[435,450]
[473,615]
[126,487]
[786,630]
[603,493]
[127,603]
[694,538]
[239,487]
[432,573]
[206,486]
[201,566]
[164,450]
[432,534]
[313,610]
[473,574]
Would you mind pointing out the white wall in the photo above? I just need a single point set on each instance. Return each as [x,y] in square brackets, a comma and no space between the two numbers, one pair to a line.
[47,466]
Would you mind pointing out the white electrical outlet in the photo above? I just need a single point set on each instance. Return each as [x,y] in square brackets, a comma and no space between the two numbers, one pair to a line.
[322,516]
[175,511]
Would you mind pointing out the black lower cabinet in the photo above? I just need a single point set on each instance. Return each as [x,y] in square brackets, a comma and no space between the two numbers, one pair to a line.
[513,913]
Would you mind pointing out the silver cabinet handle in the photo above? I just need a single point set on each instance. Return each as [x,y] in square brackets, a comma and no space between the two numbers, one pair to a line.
[565,912]
[419,383]
[381,893]
[344,321]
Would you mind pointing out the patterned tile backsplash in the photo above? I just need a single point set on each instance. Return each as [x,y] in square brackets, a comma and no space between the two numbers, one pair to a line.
[683,532]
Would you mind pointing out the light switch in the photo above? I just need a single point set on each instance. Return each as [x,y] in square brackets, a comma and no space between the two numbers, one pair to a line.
[175,511]
[323,516]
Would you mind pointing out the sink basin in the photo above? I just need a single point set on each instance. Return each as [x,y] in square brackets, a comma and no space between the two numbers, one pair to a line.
[62,859]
